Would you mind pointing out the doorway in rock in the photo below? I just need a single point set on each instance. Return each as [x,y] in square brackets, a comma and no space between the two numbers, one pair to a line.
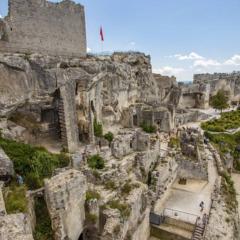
[81,237]
[135,120]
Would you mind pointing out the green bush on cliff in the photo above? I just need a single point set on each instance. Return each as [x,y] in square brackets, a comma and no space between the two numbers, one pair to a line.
[148,128]
[97,127]
[228,120]
[33,163]
[96,162]
[109,136]
[15,199]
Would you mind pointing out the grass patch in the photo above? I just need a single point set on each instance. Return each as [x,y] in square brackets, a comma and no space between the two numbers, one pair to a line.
[109,136]
[228,120]
[227,143]
[15,199]
[110,185]
[174,142]
[96,162]
[33,163]
[98,129]
[91,218]
[43,230]
[91,194]
[148,128]
[123,208]
[128,187]
[229,192]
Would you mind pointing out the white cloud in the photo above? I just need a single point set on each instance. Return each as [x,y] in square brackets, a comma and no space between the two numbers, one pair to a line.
[1,16]
[89,49]
[169,71]
[234,60]
[206,63]
[190,56]
[132,43]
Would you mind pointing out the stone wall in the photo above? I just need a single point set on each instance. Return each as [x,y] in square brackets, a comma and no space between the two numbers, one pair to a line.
[65,198]
[192,170]
[229,82]
[42,26]
[195,95]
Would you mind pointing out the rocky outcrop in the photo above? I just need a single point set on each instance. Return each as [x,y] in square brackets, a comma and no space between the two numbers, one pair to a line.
[229,82]
[65,198]
[223,222]
[6,166]
[15,227]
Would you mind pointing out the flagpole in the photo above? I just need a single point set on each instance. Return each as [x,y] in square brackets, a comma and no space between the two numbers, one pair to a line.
[101,38]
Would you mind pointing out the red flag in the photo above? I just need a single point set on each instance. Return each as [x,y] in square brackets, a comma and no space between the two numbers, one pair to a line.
[101,34]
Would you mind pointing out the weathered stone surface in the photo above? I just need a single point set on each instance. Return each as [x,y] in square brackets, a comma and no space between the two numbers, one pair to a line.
[53,36]
[15,227]
[65,198]
[223,223]
[6,166]
[230,83]
[2,203]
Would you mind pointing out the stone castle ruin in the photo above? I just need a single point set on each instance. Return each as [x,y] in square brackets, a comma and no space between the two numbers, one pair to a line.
[53,94]
[41,26]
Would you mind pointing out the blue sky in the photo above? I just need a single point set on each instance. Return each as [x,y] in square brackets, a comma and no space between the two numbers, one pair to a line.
[183,37]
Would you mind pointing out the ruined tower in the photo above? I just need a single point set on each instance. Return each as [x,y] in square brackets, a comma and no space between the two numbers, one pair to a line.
[44,27]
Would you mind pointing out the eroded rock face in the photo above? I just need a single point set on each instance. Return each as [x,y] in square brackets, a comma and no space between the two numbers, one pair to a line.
[65,198]
[136,225]
[230,83]
[98,88]
[6,166]
[15,227]
[223,222]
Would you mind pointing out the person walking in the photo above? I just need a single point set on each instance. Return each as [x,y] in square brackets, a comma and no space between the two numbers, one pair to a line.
[201,206]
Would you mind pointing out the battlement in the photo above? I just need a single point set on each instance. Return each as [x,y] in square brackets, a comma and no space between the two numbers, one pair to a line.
[44,27]
[204,78]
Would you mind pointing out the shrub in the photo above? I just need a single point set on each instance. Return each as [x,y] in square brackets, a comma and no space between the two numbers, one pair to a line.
[148,128]
[91,194]
[174,142]
[33,163]
[128,187]
[228,120]
[96,162]
[43,229]
[219,101]
[109,136]
[15,199]
[124,209]
[229,191]
[110,185]
[97,127]
[91,218]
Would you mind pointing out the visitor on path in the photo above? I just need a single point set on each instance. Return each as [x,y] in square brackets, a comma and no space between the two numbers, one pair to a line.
[201,206]
[19,179]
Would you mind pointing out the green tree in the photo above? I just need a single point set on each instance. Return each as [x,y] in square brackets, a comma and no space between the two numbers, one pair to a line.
[219,101]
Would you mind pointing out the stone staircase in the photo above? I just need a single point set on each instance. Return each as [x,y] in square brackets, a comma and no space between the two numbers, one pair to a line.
[61,115]
[198,233]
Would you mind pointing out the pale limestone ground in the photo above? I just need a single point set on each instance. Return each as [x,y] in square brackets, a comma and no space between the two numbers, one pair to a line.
[53,146]
[236,179]
[153,238]
[187,198]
